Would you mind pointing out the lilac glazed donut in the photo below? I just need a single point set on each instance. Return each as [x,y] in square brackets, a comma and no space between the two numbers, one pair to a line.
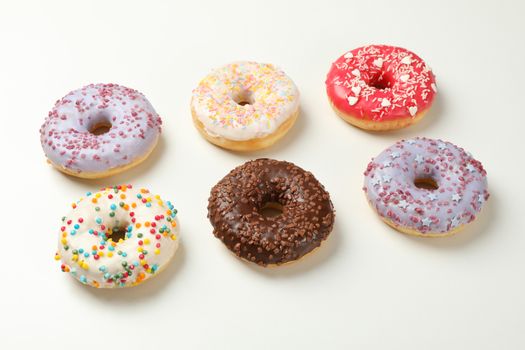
[100,130]
[426,187]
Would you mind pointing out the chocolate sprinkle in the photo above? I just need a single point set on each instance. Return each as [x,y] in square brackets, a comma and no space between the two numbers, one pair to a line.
[234,206]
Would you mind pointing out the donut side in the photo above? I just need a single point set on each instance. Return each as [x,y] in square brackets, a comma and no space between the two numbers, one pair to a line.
[247,145]
[368,124]
[107,173]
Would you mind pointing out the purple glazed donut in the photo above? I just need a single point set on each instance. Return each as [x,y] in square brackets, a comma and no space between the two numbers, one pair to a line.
[100,130]
[426,187]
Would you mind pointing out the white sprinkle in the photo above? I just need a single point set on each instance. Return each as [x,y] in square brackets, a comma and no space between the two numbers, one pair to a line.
[481,198]
[387,178]
[456,197]
[385,102]
[376,181]
[470,168]
[426,222]
[395,155]
[434,87]
[406,60]
[419,159]
[432,197]
[356,90]
[378,62]
[356,72]
[412,110]
[352,100]
[387,163]
[348,55]
[404,78]
[403,204]
[455,221]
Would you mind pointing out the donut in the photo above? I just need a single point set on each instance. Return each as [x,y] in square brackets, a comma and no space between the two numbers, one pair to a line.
[117,237]
[380,87]
[245,106]
[426,187]
[100,130]
[237,204]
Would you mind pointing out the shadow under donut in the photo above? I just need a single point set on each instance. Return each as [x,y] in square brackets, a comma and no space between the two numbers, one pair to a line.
[125,177]
[307,263]
[143,291]
[282,144]
[474,231]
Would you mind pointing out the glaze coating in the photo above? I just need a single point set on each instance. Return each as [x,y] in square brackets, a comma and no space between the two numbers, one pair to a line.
[461,181]
[306,220]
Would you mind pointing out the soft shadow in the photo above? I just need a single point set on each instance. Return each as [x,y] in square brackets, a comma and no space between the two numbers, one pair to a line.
[127,176]
[473,232]
[306,264]
[143,291]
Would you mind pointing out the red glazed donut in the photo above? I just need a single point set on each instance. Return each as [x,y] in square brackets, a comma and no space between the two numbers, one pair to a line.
[380,87]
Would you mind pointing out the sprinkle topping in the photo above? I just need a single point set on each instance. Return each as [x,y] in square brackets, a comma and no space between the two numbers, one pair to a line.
[124,243]
[234,206]
[245,100]
[461,185]
[380,82]
[69,136]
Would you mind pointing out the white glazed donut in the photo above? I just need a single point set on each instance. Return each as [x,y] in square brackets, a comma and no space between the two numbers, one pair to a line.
[245,105]
[118,237]
[71,135]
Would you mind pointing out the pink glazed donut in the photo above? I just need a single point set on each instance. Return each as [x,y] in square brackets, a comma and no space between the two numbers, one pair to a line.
[100,130]
[426,187]
[380,87]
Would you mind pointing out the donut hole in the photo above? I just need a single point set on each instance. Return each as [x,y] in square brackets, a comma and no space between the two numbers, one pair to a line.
[100,127]
[243,98]
[271,209]
[118,232]
[380,82]
[426,183]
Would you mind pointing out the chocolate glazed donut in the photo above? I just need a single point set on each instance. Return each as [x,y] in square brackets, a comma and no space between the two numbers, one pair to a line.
[236,205]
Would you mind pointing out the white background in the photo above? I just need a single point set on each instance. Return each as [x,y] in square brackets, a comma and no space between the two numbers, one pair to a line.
[368,287]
